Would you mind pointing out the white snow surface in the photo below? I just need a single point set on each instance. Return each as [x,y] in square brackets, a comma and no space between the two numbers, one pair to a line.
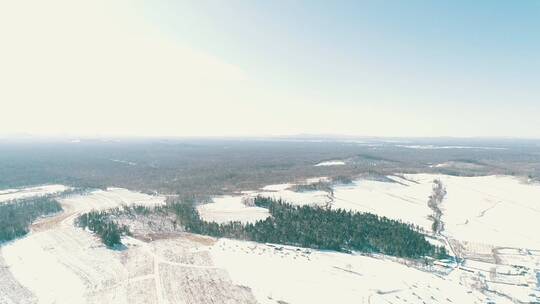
[433,147]
[64,264]
[299,198]
[496,210]
[330,163]
[12,194]
[491,222]
[110,198]
[403,200]
[277,187]
[231,208]
[298,275]
[319,179]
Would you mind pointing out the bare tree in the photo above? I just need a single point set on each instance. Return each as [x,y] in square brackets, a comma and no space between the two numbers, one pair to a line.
[435,199]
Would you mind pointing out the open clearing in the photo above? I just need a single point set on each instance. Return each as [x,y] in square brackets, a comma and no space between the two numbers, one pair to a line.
[496,210]
[61,263]
[330,163]
[297,275]
[490,224]
[231,208]
[12,194]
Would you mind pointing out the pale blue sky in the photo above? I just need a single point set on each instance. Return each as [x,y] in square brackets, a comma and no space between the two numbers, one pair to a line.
[384,68]
[487,52]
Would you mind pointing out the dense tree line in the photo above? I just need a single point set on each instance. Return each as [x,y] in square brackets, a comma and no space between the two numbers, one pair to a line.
[307,226]
[319,228]
[101,224]
[17,216]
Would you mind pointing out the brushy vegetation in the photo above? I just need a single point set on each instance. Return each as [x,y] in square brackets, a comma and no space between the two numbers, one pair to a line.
[435,200]
[17,216]
[318,186]
[101,224]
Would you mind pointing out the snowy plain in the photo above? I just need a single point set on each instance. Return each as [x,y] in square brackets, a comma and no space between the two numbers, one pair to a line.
[330,163]
[488,220]
[12,194]
[75,259]
[231,208]
[302,276]
[490,225]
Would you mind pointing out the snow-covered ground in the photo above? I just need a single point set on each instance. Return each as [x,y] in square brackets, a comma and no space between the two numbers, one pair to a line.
[330,163]
[125,162]
[11,194]
[66,265]
[497,210]
[403,199]
[231,208]
[488,220]
[433,147]
[301,198]
[11,291]
[236,207]
[297,275]
[314,180]
[491,224]
[110,198]
[60,263]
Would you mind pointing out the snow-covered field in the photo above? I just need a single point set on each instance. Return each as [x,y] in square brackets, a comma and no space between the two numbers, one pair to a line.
[296,275]
[403,199]
[235,208]
[66,265]
[110,198]
[490,224]
[11,194]
[59,263]
[330,163]
[231,208]
[433,147]
[497,210]
[301,198]
[488,220]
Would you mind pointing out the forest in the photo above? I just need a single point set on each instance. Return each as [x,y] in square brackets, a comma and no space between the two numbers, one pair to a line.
[319,228]
[101,224]
[17,216]
[304,226]
[202,168]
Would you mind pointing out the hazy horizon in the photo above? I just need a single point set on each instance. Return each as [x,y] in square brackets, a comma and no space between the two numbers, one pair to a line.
[296,137]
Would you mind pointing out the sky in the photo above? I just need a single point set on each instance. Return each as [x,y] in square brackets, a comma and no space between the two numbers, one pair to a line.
[267,68]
